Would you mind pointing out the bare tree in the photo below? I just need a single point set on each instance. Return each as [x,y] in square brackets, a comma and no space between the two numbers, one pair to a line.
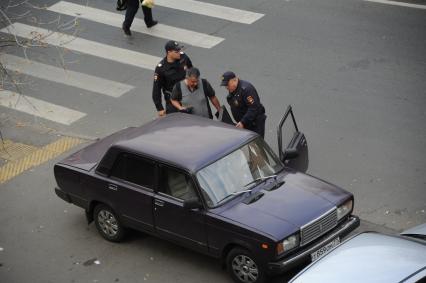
[21,10]
[24,10]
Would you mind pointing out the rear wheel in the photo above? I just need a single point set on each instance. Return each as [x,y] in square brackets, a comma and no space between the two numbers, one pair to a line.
[243,267]
[108,224]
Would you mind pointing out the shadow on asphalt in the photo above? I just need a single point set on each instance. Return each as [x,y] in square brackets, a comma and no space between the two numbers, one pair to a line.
[175,253]
[178,253]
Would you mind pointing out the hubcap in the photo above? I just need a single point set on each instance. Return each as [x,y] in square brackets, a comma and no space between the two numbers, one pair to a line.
[108,223]
[245,269]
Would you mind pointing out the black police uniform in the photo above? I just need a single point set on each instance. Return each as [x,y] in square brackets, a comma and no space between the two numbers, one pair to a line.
[166,75]
[246,107]
[132,9]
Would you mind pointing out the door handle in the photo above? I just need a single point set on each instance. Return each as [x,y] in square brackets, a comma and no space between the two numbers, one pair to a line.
[158,202]
[112,187]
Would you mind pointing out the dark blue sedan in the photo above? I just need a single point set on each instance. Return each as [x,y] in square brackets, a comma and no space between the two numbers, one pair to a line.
[212,188]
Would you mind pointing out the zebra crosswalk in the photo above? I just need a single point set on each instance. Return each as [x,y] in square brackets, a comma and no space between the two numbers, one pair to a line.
[212,10]
[39,108]
[67,77]
[82,45]
[66,115]
[113,19]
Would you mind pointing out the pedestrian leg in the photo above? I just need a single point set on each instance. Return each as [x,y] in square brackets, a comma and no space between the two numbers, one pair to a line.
[147,13]
[260,125]
[132,9]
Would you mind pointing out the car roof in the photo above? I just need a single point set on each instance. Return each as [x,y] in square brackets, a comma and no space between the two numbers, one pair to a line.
[368,257]
[188,141]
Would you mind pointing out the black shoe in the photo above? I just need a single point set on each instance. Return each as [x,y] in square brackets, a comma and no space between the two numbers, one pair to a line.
[126,30]
[151,24]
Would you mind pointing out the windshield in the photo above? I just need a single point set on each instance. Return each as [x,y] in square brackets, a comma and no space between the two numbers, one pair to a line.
[229,175]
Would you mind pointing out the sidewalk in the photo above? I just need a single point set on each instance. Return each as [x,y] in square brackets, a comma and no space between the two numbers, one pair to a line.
[24,146]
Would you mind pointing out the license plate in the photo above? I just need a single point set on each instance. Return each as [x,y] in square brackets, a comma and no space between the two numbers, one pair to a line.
[324,249]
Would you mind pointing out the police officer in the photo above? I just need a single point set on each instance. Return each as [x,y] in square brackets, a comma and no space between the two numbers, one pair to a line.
[169,71]
[245,103]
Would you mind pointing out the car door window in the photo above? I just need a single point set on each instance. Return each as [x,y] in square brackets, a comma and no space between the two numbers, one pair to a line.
[288,132]
[176,184]
[135,170]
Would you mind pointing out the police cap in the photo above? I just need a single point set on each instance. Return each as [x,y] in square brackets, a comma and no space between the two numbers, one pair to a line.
[172,45]
[226,77]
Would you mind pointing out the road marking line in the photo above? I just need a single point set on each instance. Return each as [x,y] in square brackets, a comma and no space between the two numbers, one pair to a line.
[39,108]
[62,145]
[84,46]
[211,10]
[37,157]
[116,20]
[11,151]
[67,77]
[395,3]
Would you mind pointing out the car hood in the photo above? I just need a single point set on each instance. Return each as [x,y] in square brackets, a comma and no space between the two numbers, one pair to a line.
[282,211]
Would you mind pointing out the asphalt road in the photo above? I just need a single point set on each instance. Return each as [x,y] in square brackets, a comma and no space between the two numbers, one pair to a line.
[354,72]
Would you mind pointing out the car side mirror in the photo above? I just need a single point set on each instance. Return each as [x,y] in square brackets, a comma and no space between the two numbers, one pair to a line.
[290,153]
[192,203]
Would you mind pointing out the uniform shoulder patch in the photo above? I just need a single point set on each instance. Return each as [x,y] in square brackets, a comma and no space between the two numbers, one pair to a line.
[250,99]
[159,65]
[182,53]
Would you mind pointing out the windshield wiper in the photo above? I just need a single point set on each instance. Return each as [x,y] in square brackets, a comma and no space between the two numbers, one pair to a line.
[234,194]
[257,180]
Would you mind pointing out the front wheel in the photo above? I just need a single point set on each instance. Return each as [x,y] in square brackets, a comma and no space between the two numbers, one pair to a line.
[108,224]
[243,268]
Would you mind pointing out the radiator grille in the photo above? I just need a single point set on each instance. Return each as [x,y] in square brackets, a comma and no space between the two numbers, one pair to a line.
[318,227]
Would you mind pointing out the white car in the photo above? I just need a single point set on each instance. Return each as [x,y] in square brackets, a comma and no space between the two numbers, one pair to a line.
[372,257]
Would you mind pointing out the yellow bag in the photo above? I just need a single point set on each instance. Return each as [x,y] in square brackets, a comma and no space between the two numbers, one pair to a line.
[148,3]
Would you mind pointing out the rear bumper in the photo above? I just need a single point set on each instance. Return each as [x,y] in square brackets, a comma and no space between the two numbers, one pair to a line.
[63,195]
[72,198]
[304,256]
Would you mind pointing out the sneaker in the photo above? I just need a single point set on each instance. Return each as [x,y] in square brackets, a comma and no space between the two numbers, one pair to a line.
[126,30]
[151,24]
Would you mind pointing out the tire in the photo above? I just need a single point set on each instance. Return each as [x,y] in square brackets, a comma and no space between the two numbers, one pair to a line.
[108,224]
[243,268]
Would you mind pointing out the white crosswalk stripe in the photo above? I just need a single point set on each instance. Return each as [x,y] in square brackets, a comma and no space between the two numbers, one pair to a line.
[39,108]
[67,77]
[211,10]
[398,3]
[116,20]
[84,46]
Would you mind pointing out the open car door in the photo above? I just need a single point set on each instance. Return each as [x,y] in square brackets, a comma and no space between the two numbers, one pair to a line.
[292,145]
